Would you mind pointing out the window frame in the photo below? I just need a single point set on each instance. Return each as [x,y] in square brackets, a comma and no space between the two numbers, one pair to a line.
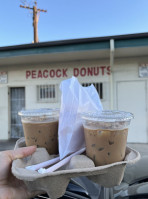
[99,87]
[46,94]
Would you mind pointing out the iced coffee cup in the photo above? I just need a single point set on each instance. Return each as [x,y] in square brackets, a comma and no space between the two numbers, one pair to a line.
[41,128]
[106,135]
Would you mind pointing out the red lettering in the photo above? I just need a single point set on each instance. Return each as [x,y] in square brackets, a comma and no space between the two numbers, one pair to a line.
[90,71]
[108,70]
[39,74]
[33,74]
[58,73]
[96,71]
[75,72]
[64,72]
[45,73]
[52,73]
[83,72]
[28,73]
[102,67]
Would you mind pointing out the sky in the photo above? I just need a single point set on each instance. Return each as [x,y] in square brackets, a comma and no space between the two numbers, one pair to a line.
[71,19]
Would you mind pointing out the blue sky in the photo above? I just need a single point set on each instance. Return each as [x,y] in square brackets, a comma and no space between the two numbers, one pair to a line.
[71,19]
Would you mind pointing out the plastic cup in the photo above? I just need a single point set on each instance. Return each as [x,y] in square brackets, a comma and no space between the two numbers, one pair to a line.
[106,135]
[41,128]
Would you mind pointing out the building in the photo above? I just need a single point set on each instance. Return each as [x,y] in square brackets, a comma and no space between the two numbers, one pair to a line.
[30,76]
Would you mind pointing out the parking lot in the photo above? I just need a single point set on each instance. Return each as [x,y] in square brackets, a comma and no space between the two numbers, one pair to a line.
[7,144]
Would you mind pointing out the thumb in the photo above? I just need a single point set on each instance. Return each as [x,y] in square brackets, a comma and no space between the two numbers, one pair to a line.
[20,152]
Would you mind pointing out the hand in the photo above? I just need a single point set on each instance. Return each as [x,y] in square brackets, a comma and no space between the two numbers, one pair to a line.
[10,186]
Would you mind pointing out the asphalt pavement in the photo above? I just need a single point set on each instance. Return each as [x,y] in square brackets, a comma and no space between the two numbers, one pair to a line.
[141,148]
[7,144]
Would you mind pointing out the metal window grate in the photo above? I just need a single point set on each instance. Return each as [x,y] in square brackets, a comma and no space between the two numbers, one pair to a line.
[98,86]
[47,93]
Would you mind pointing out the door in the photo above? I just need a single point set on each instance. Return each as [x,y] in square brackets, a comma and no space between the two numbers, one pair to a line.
[17,102]
[131,97]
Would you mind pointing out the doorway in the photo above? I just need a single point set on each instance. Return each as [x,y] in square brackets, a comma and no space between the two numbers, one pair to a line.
[131,97]
[17,103]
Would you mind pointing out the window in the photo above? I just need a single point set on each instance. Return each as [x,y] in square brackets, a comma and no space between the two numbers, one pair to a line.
[98,86]
[47,93]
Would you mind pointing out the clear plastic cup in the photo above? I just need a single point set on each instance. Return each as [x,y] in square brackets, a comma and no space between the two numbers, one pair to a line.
[106,135]
[41,128]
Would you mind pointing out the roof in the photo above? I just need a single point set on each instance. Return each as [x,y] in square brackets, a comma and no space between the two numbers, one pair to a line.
[76,49]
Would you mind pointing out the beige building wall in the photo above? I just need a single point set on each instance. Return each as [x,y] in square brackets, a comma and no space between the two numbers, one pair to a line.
[125,76]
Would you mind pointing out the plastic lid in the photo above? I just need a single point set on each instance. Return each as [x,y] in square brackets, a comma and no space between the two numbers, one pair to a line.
[108,116]
[39,112]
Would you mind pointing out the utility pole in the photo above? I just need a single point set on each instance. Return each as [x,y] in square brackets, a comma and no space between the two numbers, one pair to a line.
[35,19]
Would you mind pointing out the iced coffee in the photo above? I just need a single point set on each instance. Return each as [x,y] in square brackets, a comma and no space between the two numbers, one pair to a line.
[41,128]
[106,135]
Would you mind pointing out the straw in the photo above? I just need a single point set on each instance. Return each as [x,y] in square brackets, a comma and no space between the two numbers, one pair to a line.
[43,164]
[61,163]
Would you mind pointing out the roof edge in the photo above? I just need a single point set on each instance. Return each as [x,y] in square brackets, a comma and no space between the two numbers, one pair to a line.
[74,41]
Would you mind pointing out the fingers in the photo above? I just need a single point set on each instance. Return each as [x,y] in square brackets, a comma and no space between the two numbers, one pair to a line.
[21,152]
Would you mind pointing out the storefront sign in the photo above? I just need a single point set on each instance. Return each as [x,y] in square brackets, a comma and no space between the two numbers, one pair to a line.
[3,78]
[143,70]
[77,72]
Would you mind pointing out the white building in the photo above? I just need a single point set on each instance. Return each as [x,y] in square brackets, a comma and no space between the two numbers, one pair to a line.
[30,76]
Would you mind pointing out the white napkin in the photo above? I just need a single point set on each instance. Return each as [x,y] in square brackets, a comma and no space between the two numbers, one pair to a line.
[75,99]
